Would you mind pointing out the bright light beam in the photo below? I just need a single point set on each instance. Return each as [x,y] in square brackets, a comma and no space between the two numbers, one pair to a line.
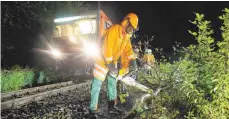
[91,49]
[55,53]
[66,19]
[85,27]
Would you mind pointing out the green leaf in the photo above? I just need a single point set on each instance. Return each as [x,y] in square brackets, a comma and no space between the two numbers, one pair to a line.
[195,101]
[201,27]
[201,16]
[215,89]
[188,94]
[197,15]
[193,33]
[220,17]
[215,80]
[226,10]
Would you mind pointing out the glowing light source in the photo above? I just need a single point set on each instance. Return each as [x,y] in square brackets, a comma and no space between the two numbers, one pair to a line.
[91,49]
[55,53]
[73,39]
[67,19]
[87,26]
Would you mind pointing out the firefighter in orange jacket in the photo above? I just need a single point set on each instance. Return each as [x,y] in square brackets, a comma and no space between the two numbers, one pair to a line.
[115,43]
[149,59]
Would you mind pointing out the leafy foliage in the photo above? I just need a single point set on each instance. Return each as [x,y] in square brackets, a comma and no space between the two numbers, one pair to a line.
[17,78]
[12,80]
[41,77]
[197,85]
[29,77]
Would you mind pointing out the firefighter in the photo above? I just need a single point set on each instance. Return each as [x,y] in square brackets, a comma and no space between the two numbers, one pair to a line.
[115,43]
[138,57]
[149,60]
[136,52]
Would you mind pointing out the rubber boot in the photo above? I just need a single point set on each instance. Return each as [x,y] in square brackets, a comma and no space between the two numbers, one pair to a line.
[113,109]
[94,114]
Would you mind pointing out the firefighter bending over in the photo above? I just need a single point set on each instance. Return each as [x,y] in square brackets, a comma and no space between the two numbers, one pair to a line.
[115,42]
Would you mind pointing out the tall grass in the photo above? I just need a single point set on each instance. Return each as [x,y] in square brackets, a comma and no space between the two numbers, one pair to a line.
[12,79]
[17,78]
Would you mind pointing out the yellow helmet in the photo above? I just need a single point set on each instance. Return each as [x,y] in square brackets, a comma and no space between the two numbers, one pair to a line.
[133,19]
[149,51]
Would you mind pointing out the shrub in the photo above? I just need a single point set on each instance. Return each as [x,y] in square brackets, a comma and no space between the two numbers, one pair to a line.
[197,85]
[12,80]
[17,78]
[29,77]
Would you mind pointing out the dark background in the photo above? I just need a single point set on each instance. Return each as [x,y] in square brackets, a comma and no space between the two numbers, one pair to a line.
[167,21]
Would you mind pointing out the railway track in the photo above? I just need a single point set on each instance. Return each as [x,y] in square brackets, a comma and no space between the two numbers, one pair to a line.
[70,102]
[67,100]
[16,99]
[19,93]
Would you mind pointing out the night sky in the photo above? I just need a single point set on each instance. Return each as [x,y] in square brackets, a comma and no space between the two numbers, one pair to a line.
[167,20]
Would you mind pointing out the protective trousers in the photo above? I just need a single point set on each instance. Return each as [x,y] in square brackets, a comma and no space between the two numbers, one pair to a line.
[95,90]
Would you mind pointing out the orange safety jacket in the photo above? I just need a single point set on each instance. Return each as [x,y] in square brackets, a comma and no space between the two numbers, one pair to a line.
[115,43]
[149,58]
[125,60]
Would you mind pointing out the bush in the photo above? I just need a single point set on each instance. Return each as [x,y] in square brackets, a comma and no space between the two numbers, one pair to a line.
[197,85]
[12,80]
[46,76]
[17,78]
[49,76]
[29,77]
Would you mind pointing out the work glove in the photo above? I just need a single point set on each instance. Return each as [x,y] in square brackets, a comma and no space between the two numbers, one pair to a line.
[113,71]
[122,72]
